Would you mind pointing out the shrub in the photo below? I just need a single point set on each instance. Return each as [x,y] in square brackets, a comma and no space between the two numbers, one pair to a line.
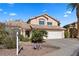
[10,40]
[21,37]
[1,38]
[7,37]
[24,39]
[3,35]
[9,43]
[66,34]
[37,36]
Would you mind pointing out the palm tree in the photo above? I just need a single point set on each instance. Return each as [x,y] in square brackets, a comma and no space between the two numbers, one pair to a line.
[73,6]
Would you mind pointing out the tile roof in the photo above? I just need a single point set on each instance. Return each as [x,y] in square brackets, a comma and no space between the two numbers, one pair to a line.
[47,27]
[19,24]
[31,26]
[73,23]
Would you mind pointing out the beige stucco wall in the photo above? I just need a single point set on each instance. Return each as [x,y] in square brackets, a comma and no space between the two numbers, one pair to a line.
[22,32]
[36,21]
[76,25]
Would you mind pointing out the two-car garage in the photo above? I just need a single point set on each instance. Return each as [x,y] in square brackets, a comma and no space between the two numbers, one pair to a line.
[55,34]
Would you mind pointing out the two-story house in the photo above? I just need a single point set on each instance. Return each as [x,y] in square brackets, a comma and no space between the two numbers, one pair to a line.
[51,25]
[42,22]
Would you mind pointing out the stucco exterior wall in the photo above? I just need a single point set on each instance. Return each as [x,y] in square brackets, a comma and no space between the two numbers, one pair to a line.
[36,21]
[22,32]
[76,25]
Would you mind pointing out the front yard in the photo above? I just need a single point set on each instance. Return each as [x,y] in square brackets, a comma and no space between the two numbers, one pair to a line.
[60,47]
[7,52]
[29,51]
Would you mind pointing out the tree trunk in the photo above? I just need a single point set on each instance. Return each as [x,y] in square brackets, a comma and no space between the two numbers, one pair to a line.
[77,14]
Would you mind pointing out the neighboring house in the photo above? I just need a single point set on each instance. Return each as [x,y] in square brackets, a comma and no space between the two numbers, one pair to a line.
[42,22]
[71,30]
[51,25]
[24,28]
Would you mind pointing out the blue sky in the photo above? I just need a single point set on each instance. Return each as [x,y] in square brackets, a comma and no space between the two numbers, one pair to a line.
[25,11]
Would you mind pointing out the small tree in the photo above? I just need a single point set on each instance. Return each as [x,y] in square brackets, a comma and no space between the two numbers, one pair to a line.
[3,33]
[10,40]
[7,37]
[9,43]
[38,37]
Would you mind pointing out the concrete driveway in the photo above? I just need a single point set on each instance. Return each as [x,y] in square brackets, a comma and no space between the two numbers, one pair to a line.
[68,47]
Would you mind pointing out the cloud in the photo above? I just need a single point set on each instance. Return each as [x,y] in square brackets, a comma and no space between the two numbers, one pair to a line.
[65,15]
[68,12]
[12,14]
[44,10]
[5,12]
[1,9]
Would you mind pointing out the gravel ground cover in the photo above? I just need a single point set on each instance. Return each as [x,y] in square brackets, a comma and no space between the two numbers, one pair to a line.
[7,52]
[29,51]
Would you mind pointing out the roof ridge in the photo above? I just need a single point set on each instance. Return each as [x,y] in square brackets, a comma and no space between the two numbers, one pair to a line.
[44,16]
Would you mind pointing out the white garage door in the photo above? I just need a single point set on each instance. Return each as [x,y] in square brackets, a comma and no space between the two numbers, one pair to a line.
[55,34]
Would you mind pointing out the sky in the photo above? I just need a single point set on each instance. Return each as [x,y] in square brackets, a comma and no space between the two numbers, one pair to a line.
[25,11]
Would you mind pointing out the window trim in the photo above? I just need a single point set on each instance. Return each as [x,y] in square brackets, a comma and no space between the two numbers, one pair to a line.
[48,24]
[41,21]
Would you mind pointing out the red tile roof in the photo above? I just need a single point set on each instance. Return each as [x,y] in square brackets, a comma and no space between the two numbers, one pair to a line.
[47,27]
[19,24]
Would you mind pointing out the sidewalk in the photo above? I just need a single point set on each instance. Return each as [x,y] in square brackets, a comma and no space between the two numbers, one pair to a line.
[68,47]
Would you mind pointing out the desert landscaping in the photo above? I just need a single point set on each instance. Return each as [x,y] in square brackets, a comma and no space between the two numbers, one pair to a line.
[29,51]
[7,52]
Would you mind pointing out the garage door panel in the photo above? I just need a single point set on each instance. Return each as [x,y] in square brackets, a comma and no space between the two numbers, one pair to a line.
[55,34]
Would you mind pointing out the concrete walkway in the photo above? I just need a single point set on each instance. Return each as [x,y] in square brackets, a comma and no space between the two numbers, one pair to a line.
[68,47]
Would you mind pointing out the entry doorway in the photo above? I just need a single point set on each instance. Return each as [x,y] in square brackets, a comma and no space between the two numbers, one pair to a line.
[27,33]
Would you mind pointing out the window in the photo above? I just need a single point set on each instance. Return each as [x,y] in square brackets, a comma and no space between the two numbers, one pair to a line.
[41,22]
[49,23]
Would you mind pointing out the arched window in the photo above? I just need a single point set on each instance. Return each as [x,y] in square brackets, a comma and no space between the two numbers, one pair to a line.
[41,21]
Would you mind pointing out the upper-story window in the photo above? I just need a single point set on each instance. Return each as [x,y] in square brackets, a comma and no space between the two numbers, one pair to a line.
[41,22]
[49,23]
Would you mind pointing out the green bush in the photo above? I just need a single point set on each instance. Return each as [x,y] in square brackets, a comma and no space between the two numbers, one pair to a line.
[3,35]
[7,37]
[9,43]
[21,37]
[10,40]
[1,38]
[24,39]
[37,36]
[66,34]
